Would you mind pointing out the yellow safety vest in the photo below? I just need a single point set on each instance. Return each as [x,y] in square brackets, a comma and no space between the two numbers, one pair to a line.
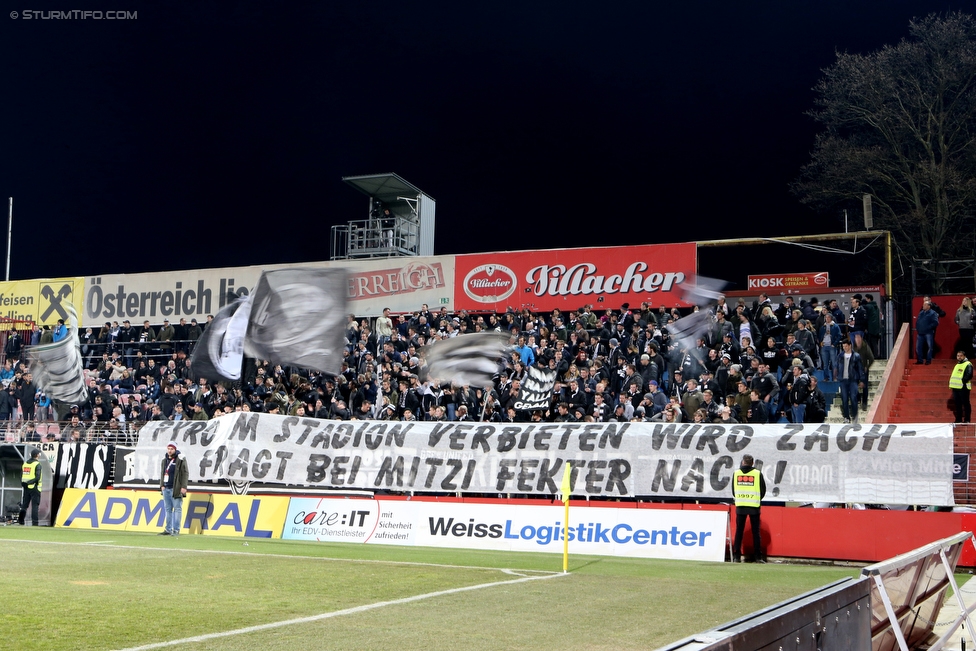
[746,488]
[955,380]
[32,474]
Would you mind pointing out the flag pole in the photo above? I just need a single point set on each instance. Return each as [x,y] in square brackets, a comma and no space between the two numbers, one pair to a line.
[566,489]
[10,234]
[566,537]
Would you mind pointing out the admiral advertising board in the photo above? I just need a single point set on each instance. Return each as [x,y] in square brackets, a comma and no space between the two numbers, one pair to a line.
[686,534]
[206,514]
[566,279]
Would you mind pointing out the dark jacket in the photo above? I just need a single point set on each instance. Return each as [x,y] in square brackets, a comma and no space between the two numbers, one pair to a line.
[181,473]
[835,335]
[167,402]
[926,322]
[855,369]
[8,402]
[800,389]
[816,407]
[125,335]
[874,317]
[14,345]
[26,393]
[757,414]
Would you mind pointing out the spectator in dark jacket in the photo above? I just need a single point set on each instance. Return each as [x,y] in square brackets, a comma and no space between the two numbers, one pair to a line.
[850,374]
[926,323]
[8,403]
[26,393]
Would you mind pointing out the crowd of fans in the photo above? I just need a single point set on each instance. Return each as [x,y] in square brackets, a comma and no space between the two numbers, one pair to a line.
[752,363]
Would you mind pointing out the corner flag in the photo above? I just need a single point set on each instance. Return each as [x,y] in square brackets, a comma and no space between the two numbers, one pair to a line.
[566,489]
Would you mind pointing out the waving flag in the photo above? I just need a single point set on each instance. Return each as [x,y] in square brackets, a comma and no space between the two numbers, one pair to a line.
[536,390]
[297,318]
[466,359]
[57,367]
[702,291]
[219,354]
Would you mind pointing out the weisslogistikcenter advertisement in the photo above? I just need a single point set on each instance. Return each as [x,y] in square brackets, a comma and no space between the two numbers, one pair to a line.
[647,533]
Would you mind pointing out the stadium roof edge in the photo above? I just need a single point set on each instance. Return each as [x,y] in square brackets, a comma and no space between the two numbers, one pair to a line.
[385,187]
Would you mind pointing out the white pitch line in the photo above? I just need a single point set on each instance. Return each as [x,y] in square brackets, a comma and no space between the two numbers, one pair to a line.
[368,561]
[337,613]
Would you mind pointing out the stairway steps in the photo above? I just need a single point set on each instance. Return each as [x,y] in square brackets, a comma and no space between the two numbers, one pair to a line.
[923,394]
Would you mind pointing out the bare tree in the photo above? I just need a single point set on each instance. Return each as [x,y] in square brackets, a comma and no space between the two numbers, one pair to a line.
[900,124]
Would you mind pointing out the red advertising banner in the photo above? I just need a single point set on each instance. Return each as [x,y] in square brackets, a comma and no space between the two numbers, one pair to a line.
[566,279]
[785,282]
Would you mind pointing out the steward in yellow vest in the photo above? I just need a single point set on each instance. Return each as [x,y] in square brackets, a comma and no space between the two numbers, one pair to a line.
[30,479]
[961,382]
[962,373]
[748,488]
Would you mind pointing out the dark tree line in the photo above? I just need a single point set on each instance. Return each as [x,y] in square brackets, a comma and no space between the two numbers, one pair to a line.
[900,125]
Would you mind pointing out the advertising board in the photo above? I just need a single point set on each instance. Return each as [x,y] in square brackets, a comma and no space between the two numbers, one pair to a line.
[566,279]
[646,533]
[401,284]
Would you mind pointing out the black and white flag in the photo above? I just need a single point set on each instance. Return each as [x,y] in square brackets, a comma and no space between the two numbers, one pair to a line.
[688,329]
[537,388]
[57,367]
[297,318]
[702,290]
[219,353]
[466,359]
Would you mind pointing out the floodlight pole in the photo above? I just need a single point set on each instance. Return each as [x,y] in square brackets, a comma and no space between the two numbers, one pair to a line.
[10,233]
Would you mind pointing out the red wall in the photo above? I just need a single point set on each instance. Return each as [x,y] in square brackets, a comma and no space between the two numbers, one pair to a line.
[847,534]
[948,332]
[887,391]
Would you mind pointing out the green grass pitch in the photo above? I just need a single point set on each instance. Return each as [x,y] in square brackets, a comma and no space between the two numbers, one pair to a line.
[90,590]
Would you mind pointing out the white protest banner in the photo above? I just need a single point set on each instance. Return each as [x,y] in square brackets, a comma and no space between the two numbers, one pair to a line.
[886,464]
[646,533]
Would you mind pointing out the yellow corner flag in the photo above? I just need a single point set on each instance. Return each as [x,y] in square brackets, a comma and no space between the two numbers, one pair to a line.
[566,488]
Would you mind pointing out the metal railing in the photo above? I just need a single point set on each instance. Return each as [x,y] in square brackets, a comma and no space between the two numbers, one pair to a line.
[111,432]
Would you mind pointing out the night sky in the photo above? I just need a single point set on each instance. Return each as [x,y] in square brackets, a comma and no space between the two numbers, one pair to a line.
[216,134]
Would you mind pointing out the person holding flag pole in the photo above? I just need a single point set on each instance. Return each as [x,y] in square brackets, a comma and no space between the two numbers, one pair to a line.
[566,490]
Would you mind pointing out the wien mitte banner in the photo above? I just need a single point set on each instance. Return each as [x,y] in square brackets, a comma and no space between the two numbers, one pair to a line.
[566,279]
